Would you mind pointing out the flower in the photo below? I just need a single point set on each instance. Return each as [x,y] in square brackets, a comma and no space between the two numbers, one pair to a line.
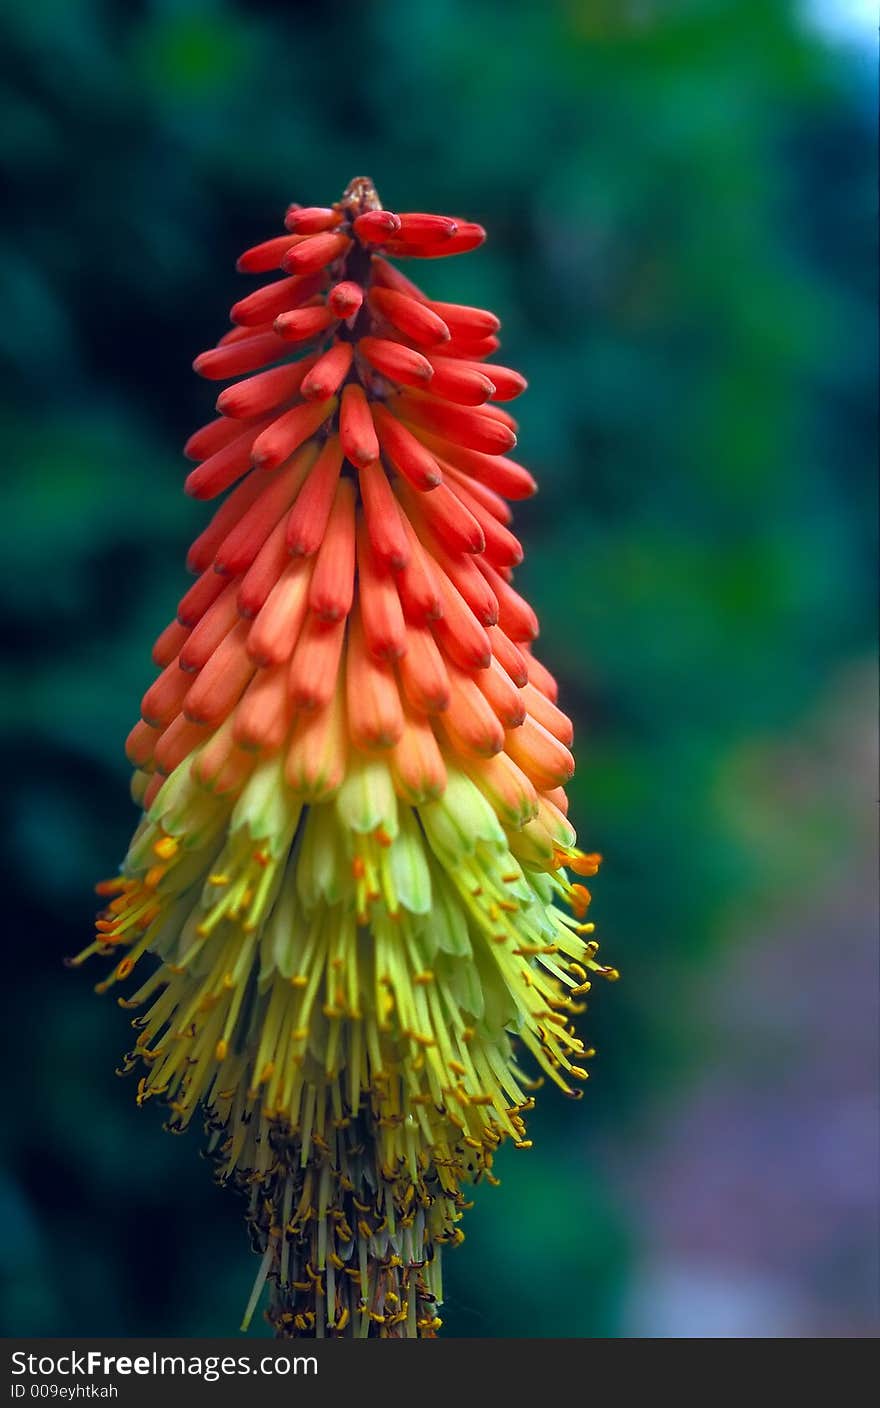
[352,865]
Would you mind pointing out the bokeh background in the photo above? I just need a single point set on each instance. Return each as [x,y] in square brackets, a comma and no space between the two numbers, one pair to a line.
[680,198]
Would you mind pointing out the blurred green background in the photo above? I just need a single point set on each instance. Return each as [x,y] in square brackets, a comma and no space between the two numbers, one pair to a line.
[680,200]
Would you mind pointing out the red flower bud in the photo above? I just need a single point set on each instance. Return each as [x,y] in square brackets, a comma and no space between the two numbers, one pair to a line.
[315,253]
[345,299]
[376,226]
[415,320]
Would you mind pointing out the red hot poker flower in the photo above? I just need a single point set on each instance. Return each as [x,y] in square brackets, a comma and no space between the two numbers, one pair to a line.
[352,862]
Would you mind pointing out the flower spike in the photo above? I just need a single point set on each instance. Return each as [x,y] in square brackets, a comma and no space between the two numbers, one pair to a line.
[346,912]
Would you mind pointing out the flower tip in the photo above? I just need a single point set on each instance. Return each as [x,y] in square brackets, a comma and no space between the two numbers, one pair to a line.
[374,226]
[585,865]
[345,298]
[470,236]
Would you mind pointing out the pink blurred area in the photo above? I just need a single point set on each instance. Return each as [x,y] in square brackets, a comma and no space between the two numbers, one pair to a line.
[753,1187]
